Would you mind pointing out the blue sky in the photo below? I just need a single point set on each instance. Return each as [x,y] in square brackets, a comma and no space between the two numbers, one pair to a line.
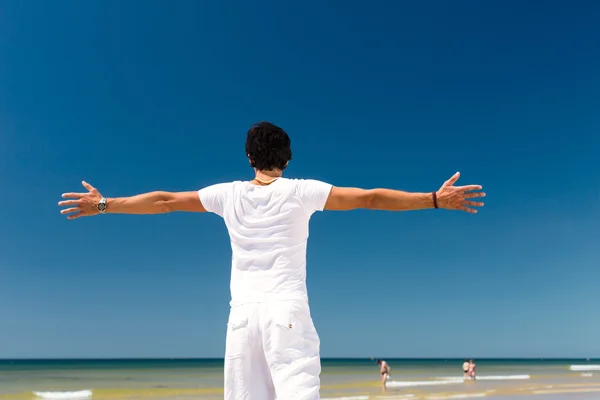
[139,96]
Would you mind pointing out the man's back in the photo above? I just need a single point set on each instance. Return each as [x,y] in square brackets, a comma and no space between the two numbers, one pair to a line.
[268,228]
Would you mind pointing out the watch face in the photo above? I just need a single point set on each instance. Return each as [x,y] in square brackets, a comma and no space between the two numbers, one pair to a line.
[101,207]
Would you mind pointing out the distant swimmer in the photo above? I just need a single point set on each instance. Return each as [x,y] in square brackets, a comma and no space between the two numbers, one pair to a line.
[465,368]
[384,371]
[472,369]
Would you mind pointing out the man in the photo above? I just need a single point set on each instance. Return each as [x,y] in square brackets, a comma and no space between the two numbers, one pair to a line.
[272,346]
[384,371]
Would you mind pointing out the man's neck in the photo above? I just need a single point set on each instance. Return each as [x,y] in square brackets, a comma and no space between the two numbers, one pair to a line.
[265,178]
[268,175]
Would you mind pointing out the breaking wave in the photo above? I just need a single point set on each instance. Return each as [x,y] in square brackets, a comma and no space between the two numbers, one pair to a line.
[458,396]
[80,394]
[584,367]
[492,378]
[393,384]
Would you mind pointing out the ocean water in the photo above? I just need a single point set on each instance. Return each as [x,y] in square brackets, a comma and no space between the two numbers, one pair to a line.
[350,379]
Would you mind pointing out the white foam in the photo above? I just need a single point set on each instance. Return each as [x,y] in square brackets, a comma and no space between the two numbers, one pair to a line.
[587,375]
[458,396]
[584,367]
[423,383]
[80,394]
[492,378]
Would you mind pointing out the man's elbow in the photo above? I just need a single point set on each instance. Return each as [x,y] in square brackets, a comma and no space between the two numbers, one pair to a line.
[345,199]
[163,207]
[180,201]
[370,199]
[165,203]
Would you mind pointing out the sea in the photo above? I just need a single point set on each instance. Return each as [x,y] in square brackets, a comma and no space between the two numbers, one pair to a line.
[341,379]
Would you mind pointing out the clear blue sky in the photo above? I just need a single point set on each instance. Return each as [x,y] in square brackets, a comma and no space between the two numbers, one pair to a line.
[139,96]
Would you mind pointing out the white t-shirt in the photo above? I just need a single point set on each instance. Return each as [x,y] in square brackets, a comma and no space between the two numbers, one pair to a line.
[268,228]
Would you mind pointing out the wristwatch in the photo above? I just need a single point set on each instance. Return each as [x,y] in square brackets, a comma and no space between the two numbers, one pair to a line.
[102,205]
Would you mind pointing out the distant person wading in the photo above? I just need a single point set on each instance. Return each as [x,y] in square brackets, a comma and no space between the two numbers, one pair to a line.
[384,371]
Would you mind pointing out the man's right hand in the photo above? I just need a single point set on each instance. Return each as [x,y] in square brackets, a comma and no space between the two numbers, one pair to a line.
[83,204]
[453,197]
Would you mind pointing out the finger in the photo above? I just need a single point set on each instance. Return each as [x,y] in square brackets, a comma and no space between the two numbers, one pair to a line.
[88,186]
[73,216]
[467,209]
[70,210]
[474,194]
[69,203]
[468,188]
[473,203]
[452,180]
[73,195]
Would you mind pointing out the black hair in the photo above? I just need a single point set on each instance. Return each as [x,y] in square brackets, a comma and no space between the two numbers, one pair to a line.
[268,147]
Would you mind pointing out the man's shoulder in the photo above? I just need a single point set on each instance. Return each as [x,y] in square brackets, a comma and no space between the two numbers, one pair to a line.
[225,184]
[219,189]
[304,181]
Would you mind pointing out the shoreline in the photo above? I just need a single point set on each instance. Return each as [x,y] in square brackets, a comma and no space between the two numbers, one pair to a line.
[555,391]
[350,379]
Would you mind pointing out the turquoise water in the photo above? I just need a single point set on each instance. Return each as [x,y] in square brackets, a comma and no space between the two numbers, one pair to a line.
[341,378]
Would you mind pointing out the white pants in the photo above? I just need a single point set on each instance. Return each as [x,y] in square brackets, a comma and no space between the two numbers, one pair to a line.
[272,352]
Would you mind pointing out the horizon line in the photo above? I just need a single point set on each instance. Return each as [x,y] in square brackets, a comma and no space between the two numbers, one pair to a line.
[322,358]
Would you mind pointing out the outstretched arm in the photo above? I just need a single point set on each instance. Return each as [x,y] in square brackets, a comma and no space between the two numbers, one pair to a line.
[86,204]
[448,197]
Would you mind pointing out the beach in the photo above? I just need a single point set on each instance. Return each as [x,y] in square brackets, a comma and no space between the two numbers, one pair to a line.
[342,379]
